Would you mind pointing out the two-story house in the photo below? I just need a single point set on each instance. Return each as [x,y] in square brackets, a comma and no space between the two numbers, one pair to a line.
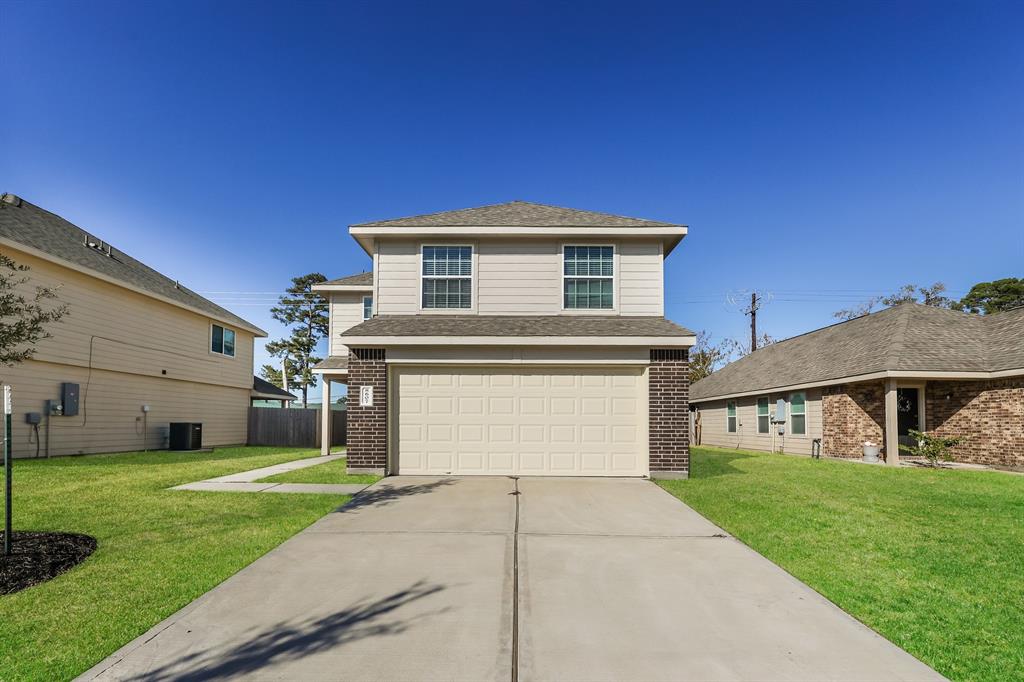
[136,351]
[512,339]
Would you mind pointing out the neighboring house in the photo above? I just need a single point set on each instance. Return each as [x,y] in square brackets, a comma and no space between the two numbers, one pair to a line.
[140,349]
[515,338]
[265,392]
[875,378]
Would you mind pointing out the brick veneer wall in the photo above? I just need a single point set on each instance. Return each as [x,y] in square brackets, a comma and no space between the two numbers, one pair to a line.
[367,438]
[669,411]
[990,414]
[850,415]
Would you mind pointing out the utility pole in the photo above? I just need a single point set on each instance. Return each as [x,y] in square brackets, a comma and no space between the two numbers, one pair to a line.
[753,322]
[284,373]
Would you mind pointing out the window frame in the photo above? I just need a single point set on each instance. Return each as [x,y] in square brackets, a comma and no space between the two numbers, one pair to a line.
[767,416]
[370,309]
[790,415]
[613,277]
[472,278]
[734,417]
[224,330]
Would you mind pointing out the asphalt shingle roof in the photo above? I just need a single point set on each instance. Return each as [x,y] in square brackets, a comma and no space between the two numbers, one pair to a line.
[516,325]
[35,227]
[908,337]
[517,214]
[333,362]
[262,387]
[362,279]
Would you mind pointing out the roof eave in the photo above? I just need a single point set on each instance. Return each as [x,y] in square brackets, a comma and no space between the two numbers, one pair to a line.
[646,341]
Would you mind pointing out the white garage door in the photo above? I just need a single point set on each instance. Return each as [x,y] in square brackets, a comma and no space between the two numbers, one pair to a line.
[539,421]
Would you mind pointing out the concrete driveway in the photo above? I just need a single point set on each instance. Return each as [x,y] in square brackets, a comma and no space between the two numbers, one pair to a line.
[462,579]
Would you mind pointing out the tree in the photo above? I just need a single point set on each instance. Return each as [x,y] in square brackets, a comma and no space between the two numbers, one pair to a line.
[705,357]
[994,297]
[272,374]
[908,293]
[23,318]
[735,349]
[305,312]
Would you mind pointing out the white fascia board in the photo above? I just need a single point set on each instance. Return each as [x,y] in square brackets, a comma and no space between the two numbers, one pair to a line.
[42,255]
[329,371]
[352,288]
[650,341]
[887,374]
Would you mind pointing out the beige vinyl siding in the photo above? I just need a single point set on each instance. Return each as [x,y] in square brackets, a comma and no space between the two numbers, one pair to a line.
[521,277]
[140,351]
[641,279]
[713,423]
[346,312]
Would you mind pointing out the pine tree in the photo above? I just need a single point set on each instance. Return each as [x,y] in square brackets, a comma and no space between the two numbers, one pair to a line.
[305,313]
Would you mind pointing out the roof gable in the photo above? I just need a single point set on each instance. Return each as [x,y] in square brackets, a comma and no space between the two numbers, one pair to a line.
[517,214]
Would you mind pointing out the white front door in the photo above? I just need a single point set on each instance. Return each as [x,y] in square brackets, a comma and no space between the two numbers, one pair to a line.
[577,421]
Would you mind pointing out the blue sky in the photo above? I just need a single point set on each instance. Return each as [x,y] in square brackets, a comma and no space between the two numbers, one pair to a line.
[822,152]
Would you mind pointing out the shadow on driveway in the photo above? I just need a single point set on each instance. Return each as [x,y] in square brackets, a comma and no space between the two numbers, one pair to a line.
[292,641]
[385,493]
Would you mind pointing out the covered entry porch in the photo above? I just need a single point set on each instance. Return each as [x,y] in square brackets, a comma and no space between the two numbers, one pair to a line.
[332,372]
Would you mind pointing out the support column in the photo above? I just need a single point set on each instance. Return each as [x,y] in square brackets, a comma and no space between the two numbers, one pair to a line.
[669,413]
[892,432]
[325,416]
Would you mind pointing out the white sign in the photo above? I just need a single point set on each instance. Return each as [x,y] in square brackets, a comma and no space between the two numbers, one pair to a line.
[366,396]
[7,399]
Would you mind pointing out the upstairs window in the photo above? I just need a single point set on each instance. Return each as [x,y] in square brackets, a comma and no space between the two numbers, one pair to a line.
[588,277]
[222,341]
[798,414]
[763,418]
[730,416]
[447,277]
[367,307]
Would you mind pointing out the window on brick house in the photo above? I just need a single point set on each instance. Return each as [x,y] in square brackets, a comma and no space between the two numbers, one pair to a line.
[763,416]
[730,416]
[798,414]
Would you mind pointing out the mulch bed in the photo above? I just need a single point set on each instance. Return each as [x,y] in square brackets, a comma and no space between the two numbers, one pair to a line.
[37,557]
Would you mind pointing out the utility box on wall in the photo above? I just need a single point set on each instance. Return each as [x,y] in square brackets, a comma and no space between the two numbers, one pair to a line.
[69,398]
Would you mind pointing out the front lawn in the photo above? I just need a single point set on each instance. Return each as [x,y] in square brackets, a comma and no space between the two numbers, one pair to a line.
[931,559]
[331,472]
[158,549]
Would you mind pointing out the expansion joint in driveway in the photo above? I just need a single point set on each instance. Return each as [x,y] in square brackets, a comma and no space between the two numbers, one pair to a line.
[515,583]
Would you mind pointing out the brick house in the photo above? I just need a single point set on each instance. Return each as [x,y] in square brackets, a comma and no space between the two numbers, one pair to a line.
[875,378]
[516,338]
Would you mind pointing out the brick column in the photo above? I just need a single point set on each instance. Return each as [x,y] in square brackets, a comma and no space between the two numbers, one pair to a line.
[367,434]
[669,413]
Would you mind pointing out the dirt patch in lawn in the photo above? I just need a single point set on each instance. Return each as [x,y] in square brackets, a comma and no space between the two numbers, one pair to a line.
[37,557]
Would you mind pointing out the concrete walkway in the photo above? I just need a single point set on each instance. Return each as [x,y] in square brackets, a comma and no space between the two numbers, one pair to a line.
[490,579]
[248,481]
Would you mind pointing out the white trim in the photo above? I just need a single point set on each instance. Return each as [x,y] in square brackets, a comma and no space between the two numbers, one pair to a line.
[363,302]
[342,287]
[650,341]
[614,277]
[887,374]
[338,372]
[921,387]
[473,279]
[562,362]
[735,417]
[42,255]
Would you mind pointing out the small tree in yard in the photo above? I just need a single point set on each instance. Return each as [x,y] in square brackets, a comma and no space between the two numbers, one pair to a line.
[23,323]
[933,448]
[23,318]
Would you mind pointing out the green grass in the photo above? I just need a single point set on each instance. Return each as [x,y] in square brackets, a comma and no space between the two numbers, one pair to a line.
[331,472]
[158,549]
[931,559]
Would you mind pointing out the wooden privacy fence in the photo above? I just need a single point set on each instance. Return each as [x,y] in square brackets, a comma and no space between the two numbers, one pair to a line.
[292,427]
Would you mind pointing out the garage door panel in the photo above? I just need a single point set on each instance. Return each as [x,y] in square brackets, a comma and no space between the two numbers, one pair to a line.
[530,421]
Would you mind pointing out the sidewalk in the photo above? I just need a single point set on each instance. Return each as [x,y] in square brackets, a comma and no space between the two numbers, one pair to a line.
[247,481]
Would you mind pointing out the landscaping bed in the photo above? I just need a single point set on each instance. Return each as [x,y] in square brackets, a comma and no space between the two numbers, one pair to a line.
[929,558]
[37,557]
